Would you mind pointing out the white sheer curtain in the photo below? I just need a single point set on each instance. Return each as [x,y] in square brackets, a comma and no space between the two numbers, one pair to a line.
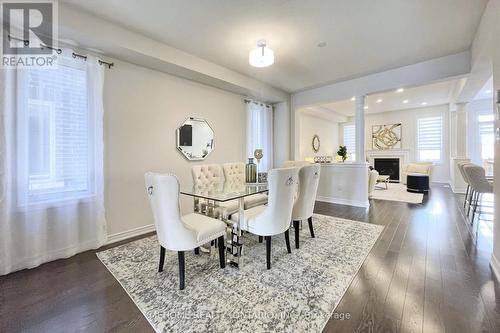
[260,132]
[51,162]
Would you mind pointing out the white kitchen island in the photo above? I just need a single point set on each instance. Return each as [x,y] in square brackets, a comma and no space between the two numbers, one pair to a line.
[344,183]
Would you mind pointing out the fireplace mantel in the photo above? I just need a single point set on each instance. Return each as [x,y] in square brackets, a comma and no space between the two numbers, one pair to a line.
[402,154]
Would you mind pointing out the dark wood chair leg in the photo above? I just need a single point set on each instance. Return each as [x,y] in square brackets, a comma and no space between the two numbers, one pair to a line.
[162,259]
[296,227]
[181,269]
[268,251]
[196,250]
[261,239]
[311,230]
[222,252]
[287,241]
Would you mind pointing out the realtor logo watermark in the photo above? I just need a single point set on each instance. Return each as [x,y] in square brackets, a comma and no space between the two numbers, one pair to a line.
[29,33]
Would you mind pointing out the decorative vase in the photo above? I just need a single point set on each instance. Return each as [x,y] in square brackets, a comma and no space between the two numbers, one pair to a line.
[251,171]
[258,154]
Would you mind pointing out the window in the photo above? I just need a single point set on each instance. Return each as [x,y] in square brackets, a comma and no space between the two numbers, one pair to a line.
[54,151]
[350,140]
[429,139]
[487,141]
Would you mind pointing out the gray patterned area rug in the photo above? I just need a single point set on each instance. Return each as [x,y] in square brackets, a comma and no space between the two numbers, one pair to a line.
[298,294]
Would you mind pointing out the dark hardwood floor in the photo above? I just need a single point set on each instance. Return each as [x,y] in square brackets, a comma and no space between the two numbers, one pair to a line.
[427,273]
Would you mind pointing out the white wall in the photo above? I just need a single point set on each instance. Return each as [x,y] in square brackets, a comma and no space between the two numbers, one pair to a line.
[281,133]
[408,118]
[143,109]
[328,132]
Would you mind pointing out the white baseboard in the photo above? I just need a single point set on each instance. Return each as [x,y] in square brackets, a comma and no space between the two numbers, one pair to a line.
[356,203]
[130,233]
[495,266]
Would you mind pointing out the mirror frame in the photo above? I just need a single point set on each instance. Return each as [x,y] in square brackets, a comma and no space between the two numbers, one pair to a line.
[177,134]
[316,139]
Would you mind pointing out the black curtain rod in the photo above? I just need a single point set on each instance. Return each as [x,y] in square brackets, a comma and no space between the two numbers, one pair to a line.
[59,51]
[101,62]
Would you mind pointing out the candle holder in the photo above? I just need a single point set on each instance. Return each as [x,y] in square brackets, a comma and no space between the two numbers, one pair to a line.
[258,154]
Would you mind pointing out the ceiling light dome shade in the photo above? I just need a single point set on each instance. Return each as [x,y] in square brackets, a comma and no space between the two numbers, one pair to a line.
[261,56]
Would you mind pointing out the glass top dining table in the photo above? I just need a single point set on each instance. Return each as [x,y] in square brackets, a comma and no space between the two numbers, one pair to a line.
[224,191]
[220,192]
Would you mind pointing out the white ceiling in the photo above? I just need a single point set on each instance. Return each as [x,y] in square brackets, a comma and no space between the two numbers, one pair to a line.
[362,37]
[432,94]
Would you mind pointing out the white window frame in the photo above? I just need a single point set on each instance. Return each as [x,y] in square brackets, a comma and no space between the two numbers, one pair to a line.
[418,150]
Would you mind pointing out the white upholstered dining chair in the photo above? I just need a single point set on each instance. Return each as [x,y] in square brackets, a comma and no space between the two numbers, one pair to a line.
[235,173]
[304,205]
[274,218]
[206,177]
[176,232]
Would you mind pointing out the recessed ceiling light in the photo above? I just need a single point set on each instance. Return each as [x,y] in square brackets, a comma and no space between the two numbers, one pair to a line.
[400,90]
[353,98]
[487,91]
[322,44]
[424,103]
[405,101]
[380,100]
[366,108]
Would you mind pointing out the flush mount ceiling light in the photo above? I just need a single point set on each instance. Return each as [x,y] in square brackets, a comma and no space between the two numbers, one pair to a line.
[261,56]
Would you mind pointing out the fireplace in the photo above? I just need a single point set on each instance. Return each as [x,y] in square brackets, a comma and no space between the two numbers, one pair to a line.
[387,167]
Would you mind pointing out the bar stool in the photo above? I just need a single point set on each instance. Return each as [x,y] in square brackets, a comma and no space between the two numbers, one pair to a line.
[480,184]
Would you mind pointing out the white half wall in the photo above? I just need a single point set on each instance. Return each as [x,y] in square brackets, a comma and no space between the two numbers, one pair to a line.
[328,132]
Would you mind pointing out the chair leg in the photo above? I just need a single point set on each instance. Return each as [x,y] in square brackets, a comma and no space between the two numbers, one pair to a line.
[287,241]
[196,250]
[471,195]
[296,227]
[261,239]
[268,252]
[222,252]
[162,259]
[475,208]
[311,230]
[181,269]
[466,194]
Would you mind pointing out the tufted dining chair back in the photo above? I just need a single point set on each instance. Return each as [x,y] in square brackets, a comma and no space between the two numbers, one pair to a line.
[163,193]
[207,175]
[234,172]
[308,186]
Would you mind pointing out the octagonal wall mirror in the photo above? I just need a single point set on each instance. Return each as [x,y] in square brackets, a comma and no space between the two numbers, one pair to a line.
[195,139]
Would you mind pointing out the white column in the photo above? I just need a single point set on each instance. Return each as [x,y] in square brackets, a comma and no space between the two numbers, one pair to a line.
[458,145]
[461,131]
[360,129]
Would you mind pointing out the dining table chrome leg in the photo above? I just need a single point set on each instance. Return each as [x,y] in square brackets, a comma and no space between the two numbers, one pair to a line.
[236,247]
